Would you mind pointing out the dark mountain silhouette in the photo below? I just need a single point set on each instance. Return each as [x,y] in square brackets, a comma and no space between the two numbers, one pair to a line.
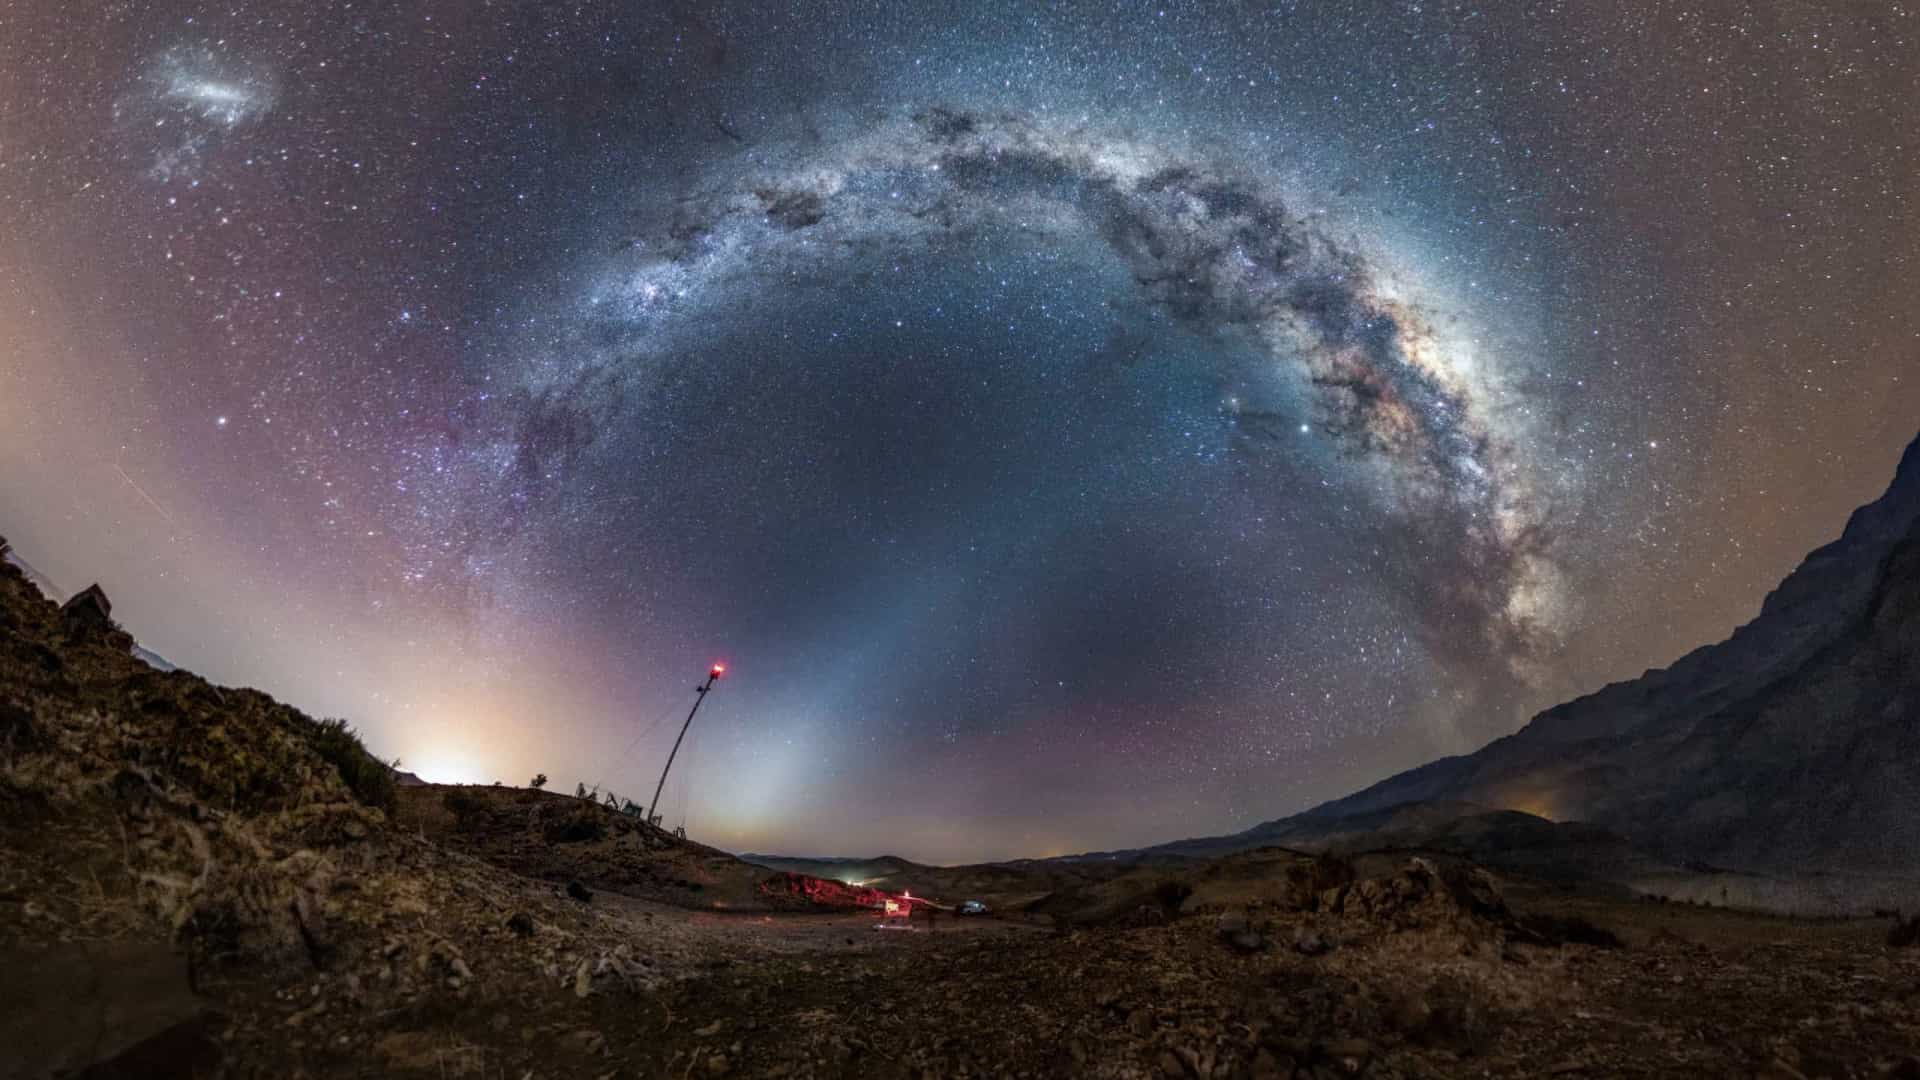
[1791,747]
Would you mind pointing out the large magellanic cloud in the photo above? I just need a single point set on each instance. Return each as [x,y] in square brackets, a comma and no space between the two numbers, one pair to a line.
[188,101]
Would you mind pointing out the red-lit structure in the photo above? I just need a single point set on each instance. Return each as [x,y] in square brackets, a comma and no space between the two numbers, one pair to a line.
[804,891]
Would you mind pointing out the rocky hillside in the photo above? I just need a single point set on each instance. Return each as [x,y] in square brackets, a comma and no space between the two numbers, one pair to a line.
[1793,746]
[558,838]
[210,876]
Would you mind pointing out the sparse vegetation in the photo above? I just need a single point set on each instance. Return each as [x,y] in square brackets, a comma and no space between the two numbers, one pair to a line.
[463,805]
[369,778]
[584,826]
[539,781]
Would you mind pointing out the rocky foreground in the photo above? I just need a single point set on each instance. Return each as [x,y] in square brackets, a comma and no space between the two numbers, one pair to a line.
[201,881]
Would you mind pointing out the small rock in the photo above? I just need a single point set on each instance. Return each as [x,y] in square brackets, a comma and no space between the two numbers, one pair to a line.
[717,1065]
[521,923]
[1197,1063]
[1239,933]
[1411,1014]
[1289,1049]
[585,1041]
[1247,942]
[1906,1069]
[353,829]
[583,979]
[710,1030]
[1351,1055]
[1309,943]
[1904,934]
[579,892]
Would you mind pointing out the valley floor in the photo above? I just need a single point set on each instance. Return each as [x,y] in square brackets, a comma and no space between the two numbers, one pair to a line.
[1690,992]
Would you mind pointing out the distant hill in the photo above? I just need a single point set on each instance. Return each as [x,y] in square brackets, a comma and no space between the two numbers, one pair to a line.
[1792,747]
[152,659]
[40,581]
[1004,886]
[851,870]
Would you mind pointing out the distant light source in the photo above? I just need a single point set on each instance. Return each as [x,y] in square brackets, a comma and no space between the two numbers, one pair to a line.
[719,670]
[445,765]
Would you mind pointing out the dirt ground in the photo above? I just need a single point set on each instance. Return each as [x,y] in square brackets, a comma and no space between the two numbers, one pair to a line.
[1435,992]
[627,987]
[1688,993]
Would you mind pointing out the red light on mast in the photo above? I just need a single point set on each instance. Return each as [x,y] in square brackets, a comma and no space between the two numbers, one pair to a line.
[718,670]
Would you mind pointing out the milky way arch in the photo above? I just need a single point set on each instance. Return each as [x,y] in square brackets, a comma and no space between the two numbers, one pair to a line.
[1213,246]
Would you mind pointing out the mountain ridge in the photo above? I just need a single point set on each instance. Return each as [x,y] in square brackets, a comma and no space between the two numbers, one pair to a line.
[1777,749]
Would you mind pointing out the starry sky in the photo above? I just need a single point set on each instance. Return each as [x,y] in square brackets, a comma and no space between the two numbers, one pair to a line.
[1075,425]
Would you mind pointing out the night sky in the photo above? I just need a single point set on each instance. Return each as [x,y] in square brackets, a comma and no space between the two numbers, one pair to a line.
[1075,428]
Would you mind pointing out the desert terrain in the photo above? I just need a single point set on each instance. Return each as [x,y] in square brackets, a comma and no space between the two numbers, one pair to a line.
[201,881]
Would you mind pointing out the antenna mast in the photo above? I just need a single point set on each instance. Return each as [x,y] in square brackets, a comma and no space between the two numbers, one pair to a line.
[713,675]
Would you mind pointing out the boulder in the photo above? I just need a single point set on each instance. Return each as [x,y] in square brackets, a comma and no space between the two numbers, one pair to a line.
[1905,933]
[1422,893]
[1308,942]
[1237,931]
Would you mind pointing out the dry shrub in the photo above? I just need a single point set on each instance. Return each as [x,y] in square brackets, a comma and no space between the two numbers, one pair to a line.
[369,778]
